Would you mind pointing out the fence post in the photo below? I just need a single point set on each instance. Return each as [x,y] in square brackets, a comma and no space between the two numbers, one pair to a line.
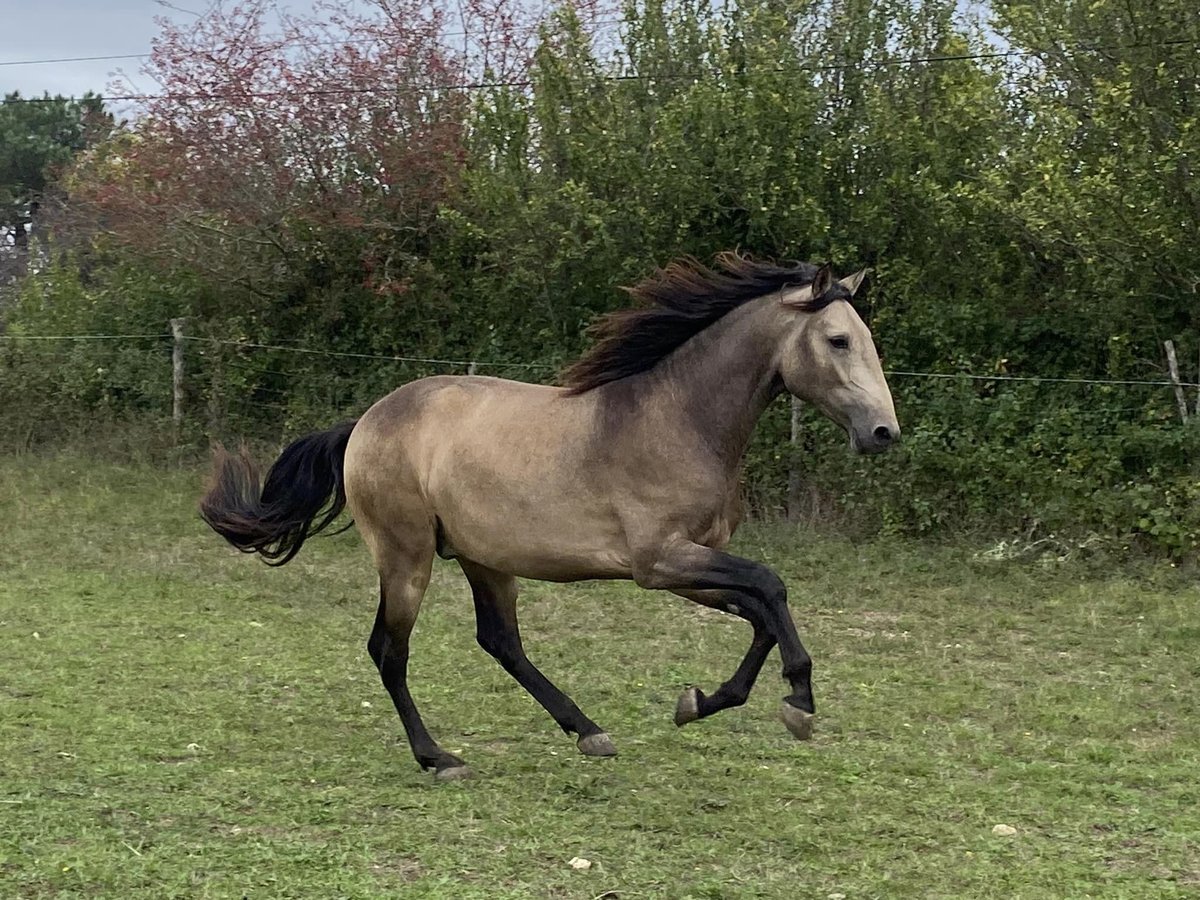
[1173,365]
[177,377]
[794,482]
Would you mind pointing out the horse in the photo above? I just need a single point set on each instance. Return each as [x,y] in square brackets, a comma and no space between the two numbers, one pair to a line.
[627,469]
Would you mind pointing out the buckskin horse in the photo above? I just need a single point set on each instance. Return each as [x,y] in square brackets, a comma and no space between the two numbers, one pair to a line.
[627,470]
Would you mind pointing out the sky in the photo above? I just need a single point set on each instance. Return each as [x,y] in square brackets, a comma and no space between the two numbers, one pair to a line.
[53,29]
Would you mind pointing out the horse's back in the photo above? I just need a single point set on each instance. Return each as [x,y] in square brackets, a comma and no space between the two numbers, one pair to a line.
[405,434]
[443,411]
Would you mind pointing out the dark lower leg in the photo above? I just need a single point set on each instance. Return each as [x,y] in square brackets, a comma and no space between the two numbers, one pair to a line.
[797,664]
[736,690]
[499,634]
[391,658]
[683,566]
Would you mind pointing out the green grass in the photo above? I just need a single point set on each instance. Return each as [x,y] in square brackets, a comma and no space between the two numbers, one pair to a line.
[177,720]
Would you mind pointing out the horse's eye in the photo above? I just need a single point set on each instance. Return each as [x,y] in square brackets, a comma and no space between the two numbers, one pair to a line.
[841,342]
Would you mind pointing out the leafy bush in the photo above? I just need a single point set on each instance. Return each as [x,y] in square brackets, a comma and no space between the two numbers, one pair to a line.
[1018,224]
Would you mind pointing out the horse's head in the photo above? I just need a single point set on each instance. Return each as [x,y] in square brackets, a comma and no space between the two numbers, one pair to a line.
[829,360]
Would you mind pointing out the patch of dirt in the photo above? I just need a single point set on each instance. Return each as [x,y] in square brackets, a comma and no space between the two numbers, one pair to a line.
[1152,740]
[267,831]
[401,868]
[875,616]
[1139,856]
[497,744]
[867,634]
[177,760]
[709,614]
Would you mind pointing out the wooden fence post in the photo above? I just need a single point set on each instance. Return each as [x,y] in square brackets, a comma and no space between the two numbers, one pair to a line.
[1173,365]
[177,377]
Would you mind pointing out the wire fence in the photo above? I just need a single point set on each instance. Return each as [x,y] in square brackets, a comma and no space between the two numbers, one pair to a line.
[475,365]
[975,443]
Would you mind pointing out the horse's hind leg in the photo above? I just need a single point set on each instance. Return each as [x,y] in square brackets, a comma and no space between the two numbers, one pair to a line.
[499,634]
[403,577]
[694,703]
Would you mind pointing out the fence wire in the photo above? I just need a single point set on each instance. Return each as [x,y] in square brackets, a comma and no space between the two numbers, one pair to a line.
[477,364]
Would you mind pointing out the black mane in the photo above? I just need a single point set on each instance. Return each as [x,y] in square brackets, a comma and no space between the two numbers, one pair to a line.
[681,300]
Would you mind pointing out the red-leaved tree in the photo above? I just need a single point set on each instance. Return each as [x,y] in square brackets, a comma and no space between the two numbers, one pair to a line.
[272,139]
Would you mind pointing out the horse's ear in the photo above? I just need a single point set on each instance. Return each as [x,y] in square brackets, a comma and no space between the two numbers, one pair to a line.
[852,282]
[803,297]
[822,281]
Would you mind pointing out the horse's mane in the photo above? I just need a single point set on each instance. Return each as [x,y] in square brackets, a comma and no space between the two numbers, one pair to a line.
[679,301]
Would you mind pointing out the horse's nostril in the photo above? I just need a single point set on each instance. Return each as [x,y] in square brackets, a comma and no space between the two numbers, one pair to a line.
[883,434]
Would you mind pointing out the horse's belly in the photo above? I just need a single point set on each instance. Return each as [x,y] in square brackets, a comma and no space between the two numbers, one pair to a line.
[524,550]
[532,529]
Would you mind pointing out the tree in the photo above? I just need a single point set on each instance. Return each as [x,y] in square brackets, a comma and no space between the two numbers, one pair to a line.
[38,137]
[268,151]
[1102,185]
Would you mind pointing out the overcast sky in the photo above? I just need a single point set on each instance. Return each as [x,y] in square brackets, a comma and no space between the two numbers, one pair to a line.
[53,29]
[50,29]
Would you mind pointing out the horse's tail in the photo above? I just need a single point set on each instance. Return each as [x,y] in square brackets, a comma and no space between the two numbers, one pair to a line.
[304,492]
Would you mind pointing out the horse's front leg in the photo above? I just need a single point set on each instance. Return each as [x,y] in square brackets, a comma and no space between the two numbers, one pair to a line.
[694,703]
[683,565]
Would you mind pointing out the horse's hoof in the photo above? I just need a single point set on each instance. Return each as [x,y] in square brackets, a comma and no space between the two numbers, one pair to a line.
[798,722]
[688,707]
[599,744]
[453,773]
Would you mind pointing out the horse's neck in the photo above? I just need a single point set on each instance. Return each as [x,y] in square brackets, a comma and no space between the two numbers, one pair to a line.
[722,379]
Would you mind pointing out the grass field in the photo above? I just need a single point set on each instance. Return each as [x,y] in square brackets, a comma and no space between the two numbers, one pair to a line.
[177,720]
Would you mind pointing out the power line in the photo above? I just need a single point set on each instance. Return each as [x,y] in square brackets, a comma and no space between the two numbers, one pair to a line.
[998,54]
[71,59]
[649,77]
[604,23]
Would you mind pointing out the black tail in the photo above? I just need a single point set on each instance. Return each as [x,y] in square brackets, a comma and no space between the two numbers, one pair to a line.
[304,492]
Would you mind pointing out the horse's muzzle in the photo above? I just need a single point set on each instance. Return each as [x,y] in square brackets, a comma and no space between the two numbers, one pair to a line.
[877,440]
